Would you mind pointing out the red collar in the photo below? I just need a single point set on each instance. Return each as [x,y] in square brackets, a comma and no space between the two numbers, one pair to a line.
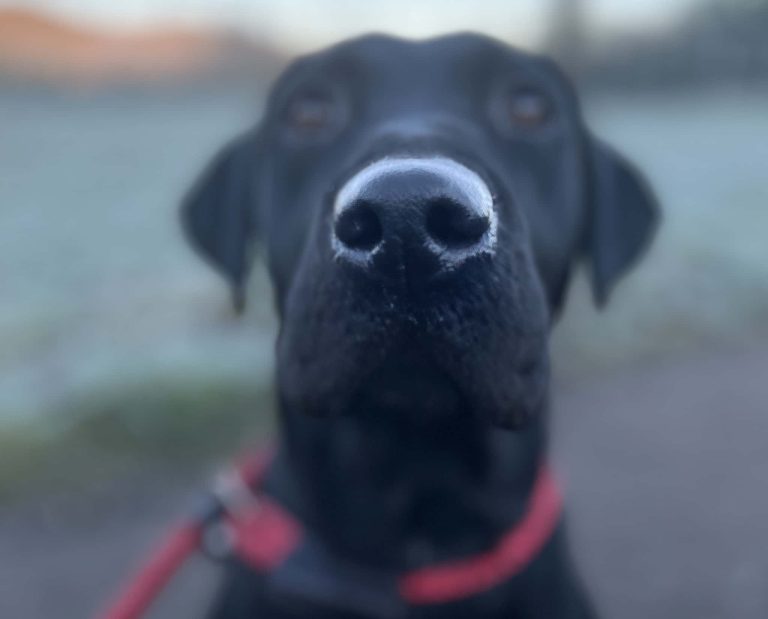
[266,535]
[450,581]
[268,538]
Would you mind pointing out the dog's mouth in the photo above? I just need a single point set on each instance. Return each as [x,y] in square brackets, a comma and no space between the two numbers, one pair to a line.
[410,381]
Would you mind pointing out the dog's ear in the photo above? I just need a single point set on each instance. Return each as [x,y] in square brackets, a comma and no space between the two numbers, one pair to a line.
[219,213]
[622,217]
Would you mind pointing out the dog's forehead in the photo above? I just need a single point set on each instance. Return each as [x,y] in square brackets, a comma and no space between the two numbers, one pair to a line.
[379,49]
[385,59]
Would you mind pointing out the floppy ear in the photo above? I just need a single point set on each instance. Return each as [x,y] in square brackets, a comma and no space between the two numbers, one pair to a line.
[218,213]
[623,216]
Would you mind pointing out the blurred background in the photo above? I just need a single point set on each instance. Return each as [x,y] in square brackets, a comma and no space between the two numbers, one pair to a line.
[124,374]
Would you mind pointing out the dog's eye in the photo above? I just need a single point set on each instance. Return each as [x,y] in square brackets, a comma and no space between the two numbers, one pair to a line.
[310,112]
[528,108]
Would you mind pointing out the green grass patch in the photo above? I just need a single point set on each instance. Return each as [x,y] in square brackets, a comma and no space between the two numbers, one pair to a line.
[116,432]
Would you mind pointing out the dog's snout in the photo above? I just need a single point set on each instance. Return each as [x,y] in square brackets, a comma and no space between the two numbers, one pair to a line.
[430,212]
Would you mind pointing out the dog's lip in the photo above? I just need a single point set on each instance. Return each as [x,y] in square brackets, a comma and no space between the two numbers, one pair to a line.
[428,388]
[409,380]
[437,396]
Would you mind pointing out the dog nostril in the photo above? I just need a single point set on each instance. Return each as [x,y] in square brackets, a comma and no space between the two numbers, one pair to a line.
[359,227]
[453,225]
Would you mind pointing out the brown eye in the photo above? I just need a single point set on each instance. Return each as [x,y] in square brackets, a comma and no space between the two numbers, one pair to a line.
[528,108]
[310,112]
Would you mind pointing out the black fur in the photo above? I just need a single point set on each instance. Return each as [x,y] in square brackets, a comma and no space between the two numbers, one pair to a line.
[413,418]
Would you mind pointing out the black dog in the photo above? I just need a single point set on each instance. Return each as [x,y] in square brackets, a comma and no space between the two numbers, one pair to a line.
[422,206]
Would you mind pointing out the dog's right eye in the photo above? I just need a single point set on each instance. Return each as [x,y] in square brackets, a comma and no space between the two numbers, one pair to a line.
[312,113]
[520,110]
[528,108]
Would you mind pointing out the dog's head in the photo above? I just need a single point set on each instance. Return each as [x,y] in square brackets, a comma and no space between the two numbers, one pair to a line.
[422,205]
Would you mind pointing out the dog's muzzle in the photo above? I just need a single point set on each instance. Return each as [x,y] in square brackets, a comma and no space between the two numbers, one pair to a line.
[419,215]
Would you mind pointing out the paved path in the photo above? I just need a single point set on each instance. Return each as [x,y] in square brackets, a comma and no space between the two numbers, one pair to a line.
[667,473]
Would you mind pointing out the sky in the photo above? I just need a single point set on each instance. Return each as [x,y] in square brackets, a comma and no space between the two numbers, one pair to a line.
[307,23]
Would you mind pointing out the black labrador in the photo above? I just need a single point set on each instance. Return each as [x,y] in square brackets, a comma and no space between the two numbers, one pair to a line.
[422,206]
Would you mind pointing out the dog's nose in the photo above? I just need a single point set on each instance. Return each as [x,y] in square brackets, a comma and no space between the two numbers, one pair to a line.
[427,213]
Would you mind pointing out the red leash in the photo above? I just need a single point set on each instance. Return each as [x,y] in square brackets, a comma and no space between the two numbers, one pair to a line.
[146,586]
[230,493]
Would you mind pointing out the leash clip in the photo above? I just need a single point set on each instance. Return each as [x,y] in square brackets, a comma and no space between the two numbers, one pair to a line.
[234,493]
[234,497]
